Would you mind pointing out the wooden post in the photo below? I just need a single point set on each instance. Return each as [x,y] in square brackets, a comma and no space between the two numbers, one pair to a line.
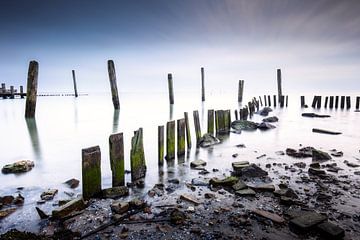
[326,101]
[222,121]
[236,114]
[302,100]
[274,100]
[113,84]
[3,88]
[279,85]
[170,140]
[91,172]
[269,100]
[342,103]
[240,90]
[171,88]
[31,92]
[348,102]
[137,156]
[181,137]
[282,101]
[12,92]
[331,104]
[210,124]
[116,149]
[202,85]
[265,100]
[336,102]
[261,103]
[287,100]
[21,91]
[197,126]
[160,145]
[188,134]
[357,103]
[313,105]
[319,102]
[74,81]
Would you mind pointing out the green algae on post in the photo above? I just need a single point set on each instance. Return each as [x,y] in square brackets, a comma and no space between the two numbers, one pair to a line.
[91,172]
[181,137]
[160,145]
[137,156]
[116,149]
[170,140]
[188,134]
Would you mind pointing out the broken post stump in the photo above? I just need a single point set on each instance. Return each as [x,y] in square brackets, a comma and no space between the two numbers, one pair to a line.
[181,137]
[302,100]
[279,85]
[137,156]
[170,140]
[236,114]
[265,100]
[240,90]
[74,82]
[3,88]
[222,121]
[21,91]
[160,145]
[337,102]
[197,126]
[318,102]
[313,105]
[116,149]
[342,102]
[188,134]
[12,92]
[171,88]
[261,103]
[269,100]
[91,172]
[326,101]
[331,102]
[348,102]
[202,85]
[274,100]
[31,93]
[113,84]
[210,124]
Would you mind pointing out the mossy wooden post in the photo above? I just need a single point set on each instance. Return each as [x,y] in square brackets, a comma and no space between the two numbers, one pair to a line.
[269,100]
[12,92]
[181,137]
[137,156]
[319,102]
[188,134]
[170,140]
[240,90]
[171,88]
[21,91]
[227,120]
[331,103]
[337,102]
[302,100]
[160,145]
[222,121]
[313,105]
[265,100]
[202,85]
[74,82]
[274,100]
[236,114]
[348,102]
[261,103]
[31,93]
[357,103]
[91,172]
[197,126]
[113,84]
[210,123]
[326,101]
[278,85]
[116,150]
[342,103]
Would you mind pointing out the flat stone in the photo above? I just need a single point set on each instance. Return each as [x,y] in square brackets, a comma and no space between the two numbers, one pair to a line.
[272,216]
[301,153]
[265,126]
[246,192]
[41,213]
[49,194]
[208,140]
[76,204]
[72,183]
[316,171]
[265,111]
[7,200]
[286,192]
[199,182]
[314,115]
[251,171]
[331,231]
[264,187]
[350,164]
[243,125]
[18,167]
[239,165]
[190,199]
[239,185]
[197,163]
[115,192]
[271,119]
[320,156]
[306,221]
[6,212]
[119,207]
[228,181]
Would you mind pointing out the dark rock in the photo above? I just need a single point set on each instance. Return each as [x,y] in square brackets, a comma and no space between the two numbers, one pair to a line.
[335,153]
[265,126]
[76,204]
[246,192]
[199,182]
[235,155]
[228,181]
[241,145]
[6,212]
[19,200]
[209,195]
[18,167]
[320,156]
[137,203]
[239,185]
[300,164]
[315,165]
[119,207]
[251,171]
[177,217]
[208,140]
[7,200]
[197,163]
[41,213]
[263,187]
[306,221]
[271,119]
[49,194]
[244,125]
[239,165]
[115,192]
[204,172]
[174,181]
[350,164]
[302,153]
[265,111]
[72,183]
[286,192]
[316,171]
[316,130]
[314,115]
[331,231]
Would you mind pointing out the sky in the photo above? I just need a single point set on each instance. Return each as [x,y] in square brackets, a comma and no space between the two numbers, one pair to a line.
[315,43]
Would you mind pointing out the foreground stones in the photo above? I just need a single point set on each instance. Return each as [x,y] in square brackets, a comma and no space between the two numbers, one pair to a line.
[74,205]
[315,154]
[115,192]
[49,194]
[18,167]
[197,163]
[314,115]
[272,216]
[251,171]
[306,221]
[208,140]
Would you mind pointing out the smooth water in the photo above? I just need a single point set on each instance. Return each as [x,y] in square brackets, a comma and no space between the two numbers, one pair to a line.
[65,125]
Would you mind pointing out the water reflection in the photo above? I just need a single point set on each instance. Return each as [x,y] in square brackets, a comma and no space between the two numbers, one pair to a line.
[34,137]
[116,120]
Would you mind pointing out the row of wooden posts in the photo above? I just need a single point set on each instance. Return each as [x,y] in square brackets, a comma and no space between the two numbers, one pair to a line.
[12,92]
[331,102]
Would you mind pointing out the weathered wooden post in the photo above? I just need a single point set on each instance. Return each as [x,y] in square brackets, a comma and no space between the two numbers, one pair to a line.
[261,103]
[170,140]
[326,101]
[197,126]
[161,145]
[287,100]
[331,104]
[342,103]
[313,105]
[21,91]
[275,100]
[279,85]
[3,88]
[357,103]
[91,172]
[171,88]
[12,92]
[222,121]
[319,102]
[113,84]
[282,101]
[202,85]
[188,134]
[137,156]
[210,124]
[302,100]
[269,100]
[116,149]
[181,137]
[265,100]
[74,81]
[240,90]
[31,92]
[336,102]
[236,114]
[348,102]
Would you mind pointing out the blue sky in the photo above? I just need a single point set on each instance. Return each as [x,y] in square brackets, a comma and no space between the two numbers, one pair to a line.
[316,43]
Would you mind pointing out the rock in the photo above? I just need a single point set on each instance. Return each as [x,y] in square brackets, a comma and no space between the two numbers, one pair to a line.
[320,156]
[244,125]
[246,192]
[228,181]
[7,200]
[265,126]
[241,145]
[235,155]
[272,216]
[330,231]
[239,165]
[204,172]
[316,130]
[6,212]
[300,164]
[265,111]
[177,217]
[41,213]
[261,156]
[314,115]
[268,165]
[306,221]
[137,203]
[174,181]
[208,140]
[19,200]
[286,192]
[18,167]
[199,182]
[335,153]
[315,165]
[76,204]
[316,171]
[119,207]
[264,187]
[72,183]
[251,171]
[271,119]
[63,202]
[349,164]
[239,185]
[190,199]
[197,163]
[302,153]
[209,195]
[357,173]
[49,194]
[115,192]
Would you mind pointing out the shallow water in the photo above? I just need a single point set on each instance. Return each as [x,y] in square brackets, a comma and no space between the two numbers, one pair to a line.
[65,125]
